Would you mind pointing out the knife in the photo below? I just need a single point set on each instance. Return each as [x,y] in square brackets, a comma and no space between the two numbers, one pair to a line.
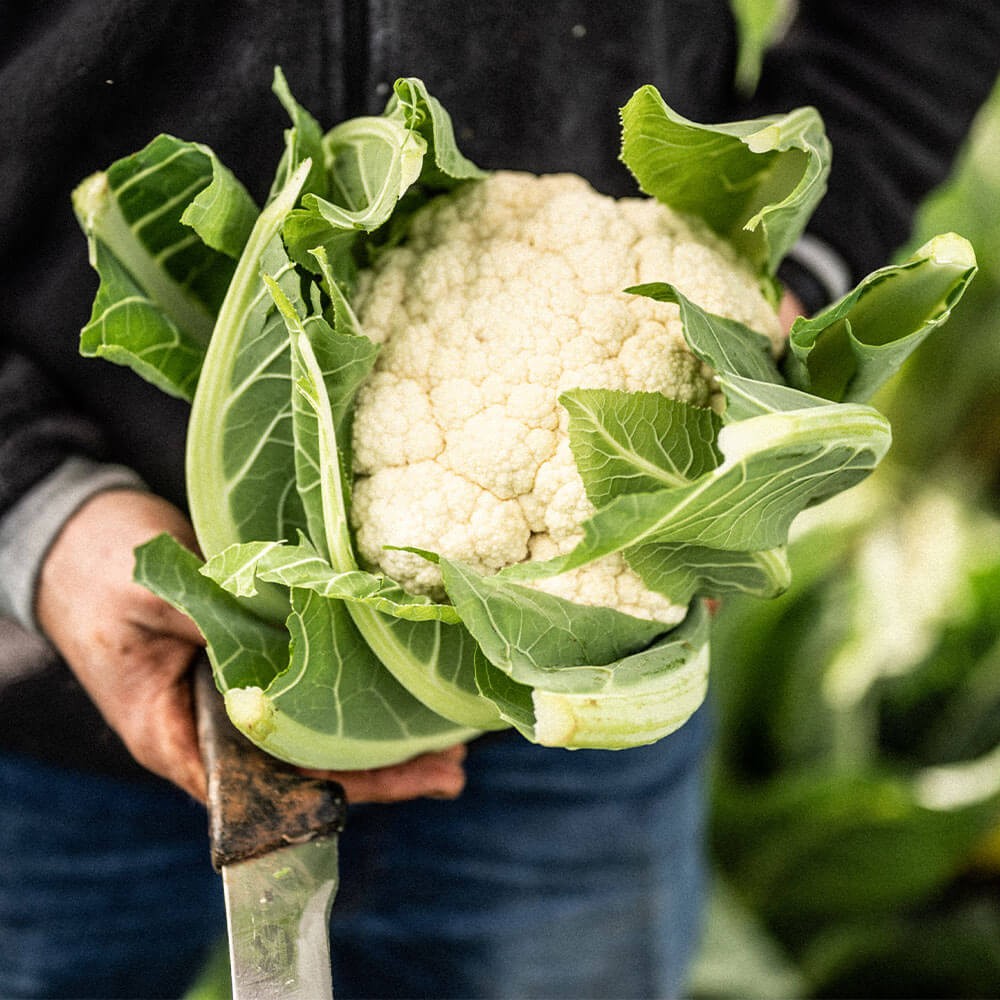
[273,834]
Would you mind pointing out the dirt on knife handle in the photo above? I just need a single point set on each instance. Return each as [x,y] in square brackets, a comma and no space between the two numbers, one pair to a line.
[256,803]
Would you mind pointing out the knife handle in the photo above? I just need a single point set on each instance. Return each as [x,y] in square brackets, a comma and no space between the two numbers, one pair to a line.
[256,803]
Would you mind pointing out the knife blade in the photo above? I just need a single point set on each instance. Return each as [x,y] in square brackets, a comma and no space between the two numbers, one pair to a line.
[273,837]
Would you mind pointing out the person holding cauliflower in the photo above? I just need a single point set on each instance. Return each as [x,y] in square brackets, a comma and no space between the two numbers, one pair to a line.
[479,865]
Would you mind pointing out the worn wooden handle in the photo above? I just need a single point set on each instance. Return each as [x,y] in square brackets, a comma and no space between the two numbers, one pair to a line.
[256,803]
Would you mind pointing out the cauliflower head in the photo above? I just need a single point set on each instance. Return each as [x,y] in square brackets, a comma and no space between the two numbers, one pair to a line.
[507,293]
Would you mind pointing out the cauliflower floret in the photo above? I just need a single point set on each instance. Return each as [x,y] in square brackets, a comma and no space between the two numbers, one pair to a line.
[606,582]
[427,506]
[506,293]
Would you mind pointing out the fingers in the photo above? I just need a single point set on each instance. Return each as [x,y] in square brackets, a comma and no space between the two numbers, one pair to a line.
[144,694]
[163,737]
[129,649]
[789,310]
[439,775]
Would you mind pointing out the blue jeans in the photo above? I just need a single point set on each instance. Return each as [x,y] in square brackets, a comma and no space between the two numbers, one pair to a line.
[106,889]
[557,874]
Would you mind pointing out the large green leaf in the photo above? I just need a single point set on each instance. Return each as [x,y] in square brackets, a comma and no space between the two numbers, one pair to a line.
[311,693]
[638,442]
[850,349]
[163,226]
[581,676]
[774,467]
[634,442]
[336,706]
[538,638]
[756,183]
[129,328]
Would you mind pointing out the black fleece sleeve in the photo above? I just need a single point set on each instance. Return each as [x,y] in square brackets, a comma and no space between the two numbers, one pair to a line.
[898,84]
[38,430]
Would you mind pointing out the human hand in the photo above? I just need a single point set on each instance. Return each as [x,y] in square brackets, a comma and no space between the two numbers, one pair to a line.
[132,652]
[789,310]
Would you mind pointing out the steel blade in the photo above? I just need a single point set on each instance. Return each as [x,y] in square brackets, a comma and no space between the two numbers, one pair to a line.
[278,910]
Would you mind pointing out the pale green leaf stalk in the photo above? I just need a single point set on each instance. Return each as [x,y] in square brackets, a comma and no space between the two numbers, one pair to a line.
[212,474]
[393,641]
[630,712]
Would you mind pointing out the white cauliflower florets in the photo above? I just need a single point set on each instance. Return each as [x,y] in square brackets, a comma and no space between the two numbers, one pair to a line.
[507,293]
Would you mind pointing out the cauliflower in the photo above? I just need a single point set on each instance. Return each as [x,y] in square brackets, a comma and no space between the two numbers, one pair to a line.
[503,327]
[507,293]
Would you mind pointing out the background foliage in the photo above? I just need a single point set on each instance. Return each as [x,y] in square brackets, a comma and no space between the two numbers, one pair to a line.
[855,828]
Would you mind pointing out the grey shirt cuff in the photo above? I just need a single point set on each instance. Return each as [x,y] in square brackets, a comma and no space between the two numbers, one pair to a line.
[32,524]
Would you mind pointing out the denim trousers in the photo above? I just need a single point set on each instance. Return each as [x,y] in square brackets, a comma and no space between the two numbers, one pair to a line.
[556,874]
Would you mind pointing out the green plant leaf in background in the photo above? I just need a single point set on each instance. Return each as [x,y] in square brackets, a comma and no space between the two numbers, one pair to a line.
[898,851]
[856,783]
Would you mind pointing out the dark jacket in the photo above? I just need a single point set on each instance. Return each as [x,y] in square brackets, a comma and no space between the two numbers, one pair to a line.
[529,85]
